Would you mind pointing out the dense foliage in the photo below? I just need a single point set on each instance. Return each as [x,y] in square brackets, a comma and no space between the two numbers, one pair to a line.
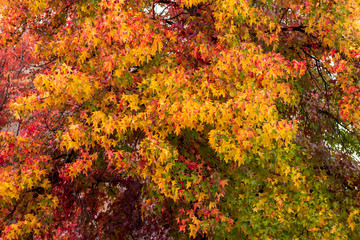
[180,119]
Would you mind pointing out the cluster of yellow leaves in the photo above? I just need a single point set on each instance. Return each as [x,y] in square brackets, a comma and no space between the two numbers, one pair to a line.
[24,171]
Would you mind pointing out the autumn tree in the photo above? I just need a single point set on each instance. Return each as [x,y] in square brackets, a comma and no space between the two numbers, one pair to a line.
[188,119]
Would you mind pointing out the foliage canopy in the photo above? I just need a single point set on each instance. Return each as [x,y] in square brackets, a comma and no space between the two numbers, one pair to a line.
[144,119]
